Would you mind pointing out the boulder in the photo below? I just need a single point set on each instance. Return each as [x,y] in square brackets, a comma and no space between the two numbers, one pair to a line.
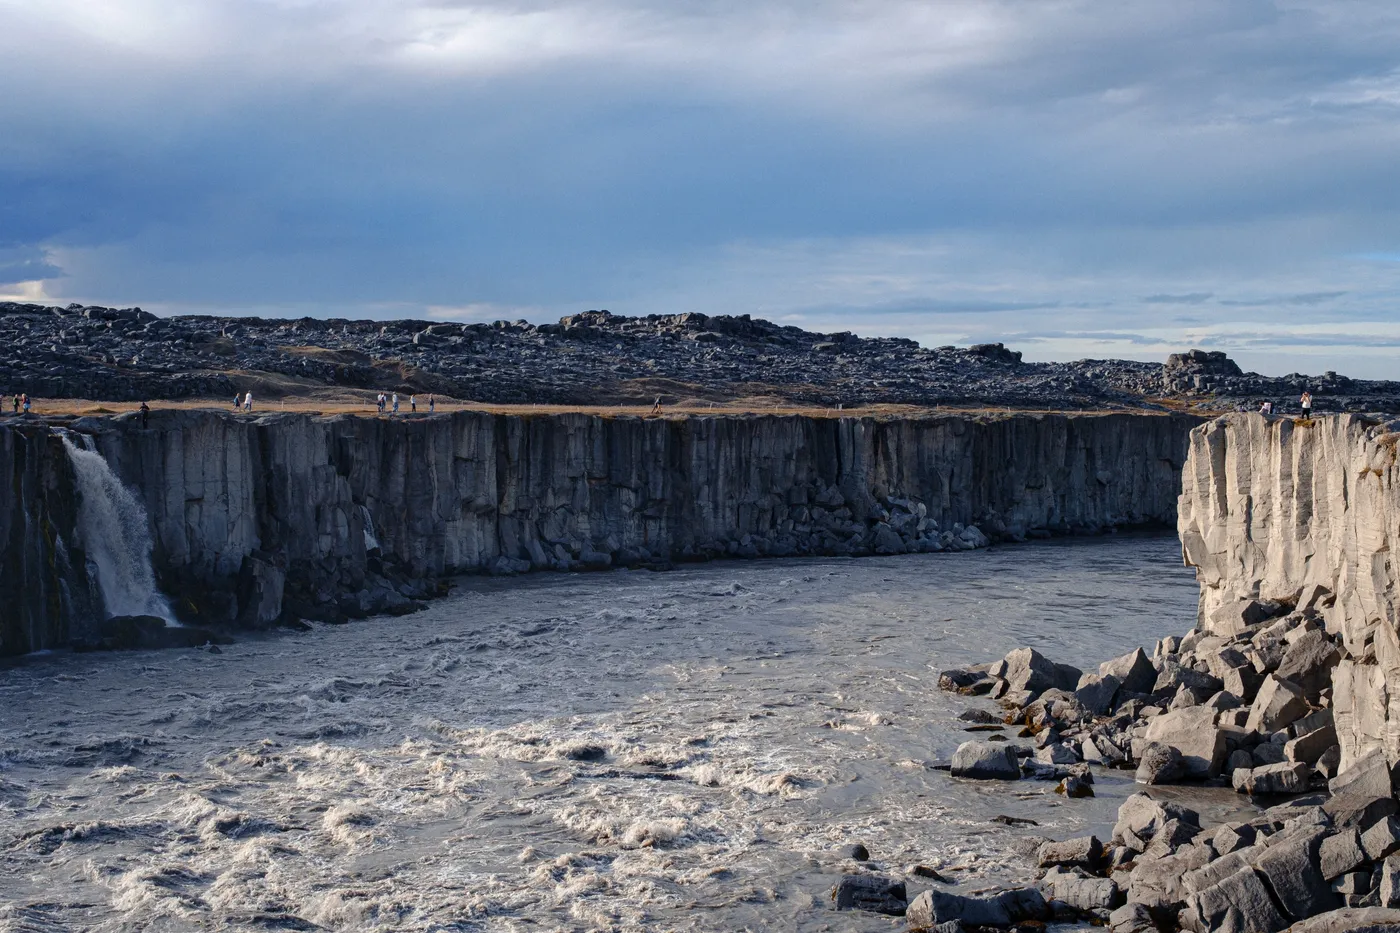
[1193,733]
[1358,809]
[877,893]
[1382,839]
[1096,692]
[1368,776]
[1081,891]
[1132,918]
[986,760]
[1278,703]
[1284,778]
[1056,753]
[1291,868]
[1030,671]
[934,907]
[1083,852]
[1231,837]
[1174,676]
[1309,661]
[1309,747]
[1351,920]
[1134,671]
[1341,853]
[1141,817]
[1244,893]
[1160,764]
[1389,888]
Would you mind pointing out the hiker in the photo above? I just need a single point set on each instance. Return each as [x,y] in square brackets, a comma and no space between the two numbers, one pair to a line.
[395,404]
[145,414]
[25,403]
[237,400]
[248,402]
[413,403]
[1306,402]
[432,404]
[656,406]
[16,403]
[1266,408]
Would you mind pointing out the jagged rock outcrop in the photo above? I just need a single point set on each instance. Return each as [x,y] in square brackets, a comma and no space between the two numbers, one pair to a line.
[260,519]
[1305,515]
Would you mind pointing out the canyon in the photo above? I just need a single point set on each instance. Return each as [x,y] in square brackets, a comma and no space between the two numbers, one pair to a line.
[280,518]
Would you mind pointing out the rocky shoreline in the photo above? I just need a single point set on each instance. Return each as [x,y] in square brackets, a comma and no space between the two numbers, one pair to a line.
[1281,691]
[597,358]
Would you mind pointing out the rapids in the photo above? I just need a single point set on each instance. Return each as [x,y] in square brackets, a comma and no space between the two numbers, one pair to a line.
[611,751]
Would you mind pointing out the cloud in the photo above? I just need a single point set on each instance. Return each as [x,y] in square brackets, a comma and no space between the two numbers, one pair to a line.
[949,171]
[1194,298]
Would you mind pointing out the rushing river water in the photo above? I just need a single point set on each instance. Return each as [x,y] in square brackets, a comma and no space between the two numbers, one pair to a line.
[628,750]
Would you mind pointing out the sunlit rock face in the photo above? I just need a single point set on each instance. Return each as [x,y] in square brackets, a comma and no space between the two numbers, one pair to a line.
[1305,513]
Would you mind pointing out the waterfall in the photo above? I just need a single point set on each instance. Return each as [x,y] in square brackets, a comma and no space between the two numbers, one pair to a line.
[113,531]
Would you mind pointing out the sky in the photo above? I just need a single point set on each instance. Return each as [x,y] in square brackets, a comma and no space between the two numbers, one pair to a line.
[1074,178]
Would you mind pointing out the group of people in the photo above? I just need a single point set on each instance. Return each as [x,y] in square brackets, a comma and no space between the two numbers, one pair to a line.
[392,403]
[22,401]
[1305,402]
[243,400]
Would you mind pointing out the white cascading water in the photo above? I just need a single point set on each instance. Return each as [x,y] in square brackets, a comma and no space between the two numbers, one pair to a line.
[113,531]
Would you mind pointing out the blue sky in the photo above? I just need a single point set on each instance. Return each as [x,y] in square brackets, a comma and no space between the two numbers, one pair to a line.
[1072,178]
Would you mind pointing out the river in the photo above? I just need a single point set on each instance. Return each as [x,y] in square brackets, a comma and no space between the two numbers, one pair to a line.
[610,751]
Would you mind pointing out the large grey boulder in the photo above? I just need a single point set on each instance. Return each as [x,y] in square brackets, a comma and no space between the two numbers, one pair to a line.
[1278,703]
[1309,662]
[1160,764]
[1083,852]
[1341,853]
[1133,670]
[1370,775]
[1081,891]
[1382,839]
[1030,671]
[1351,920]
[1194,734]
[1242,893]
[1284,778]
[1140,818]
[876,893]
[935,907]
[1096,692]
[1291,867]
[986,760]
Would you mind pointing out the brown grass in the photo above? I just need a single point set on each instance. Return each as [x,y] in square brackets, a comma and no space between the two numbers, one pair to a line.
[362,403]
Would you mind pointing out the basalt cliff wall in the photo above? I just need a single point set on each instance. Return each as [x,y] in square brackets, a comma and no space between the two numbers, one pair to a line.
[1305,514]
[256,520]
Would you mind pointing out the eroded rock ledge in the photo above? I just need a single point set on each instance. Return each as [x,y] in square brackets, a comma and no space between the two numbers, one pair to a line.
[258,520]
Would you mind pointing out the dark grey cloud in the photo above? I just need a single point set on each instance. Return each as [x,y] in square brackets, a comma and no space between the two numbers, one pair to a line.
[935,170]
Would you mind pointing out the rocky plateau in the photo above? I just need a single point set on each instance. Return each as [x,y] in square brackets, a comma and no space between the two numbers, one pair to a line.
[595,358]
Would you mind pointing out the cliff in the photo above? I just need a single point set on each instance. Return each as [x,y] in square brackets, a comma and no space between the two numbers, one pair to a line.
[1305,515]
[259,520]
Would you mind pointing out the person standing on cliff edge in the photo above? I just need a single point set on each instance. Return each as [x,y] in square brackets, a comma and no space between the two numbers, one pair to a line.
[1306,402]
[248,402]
[145,415]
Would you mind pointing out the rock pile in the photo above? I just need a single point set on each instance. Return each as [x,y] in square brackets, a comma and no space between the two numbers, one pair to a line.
[1254,709]
[598,358]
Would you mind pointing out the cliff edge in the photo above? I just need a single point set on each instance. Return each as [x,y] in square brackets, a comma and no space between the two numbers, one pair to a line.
[1305,514]
[259,520]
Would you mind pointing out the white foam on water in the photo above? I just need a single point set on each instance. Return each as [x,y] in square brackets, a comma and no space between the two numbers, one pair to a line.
[610,753]
[114,533]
